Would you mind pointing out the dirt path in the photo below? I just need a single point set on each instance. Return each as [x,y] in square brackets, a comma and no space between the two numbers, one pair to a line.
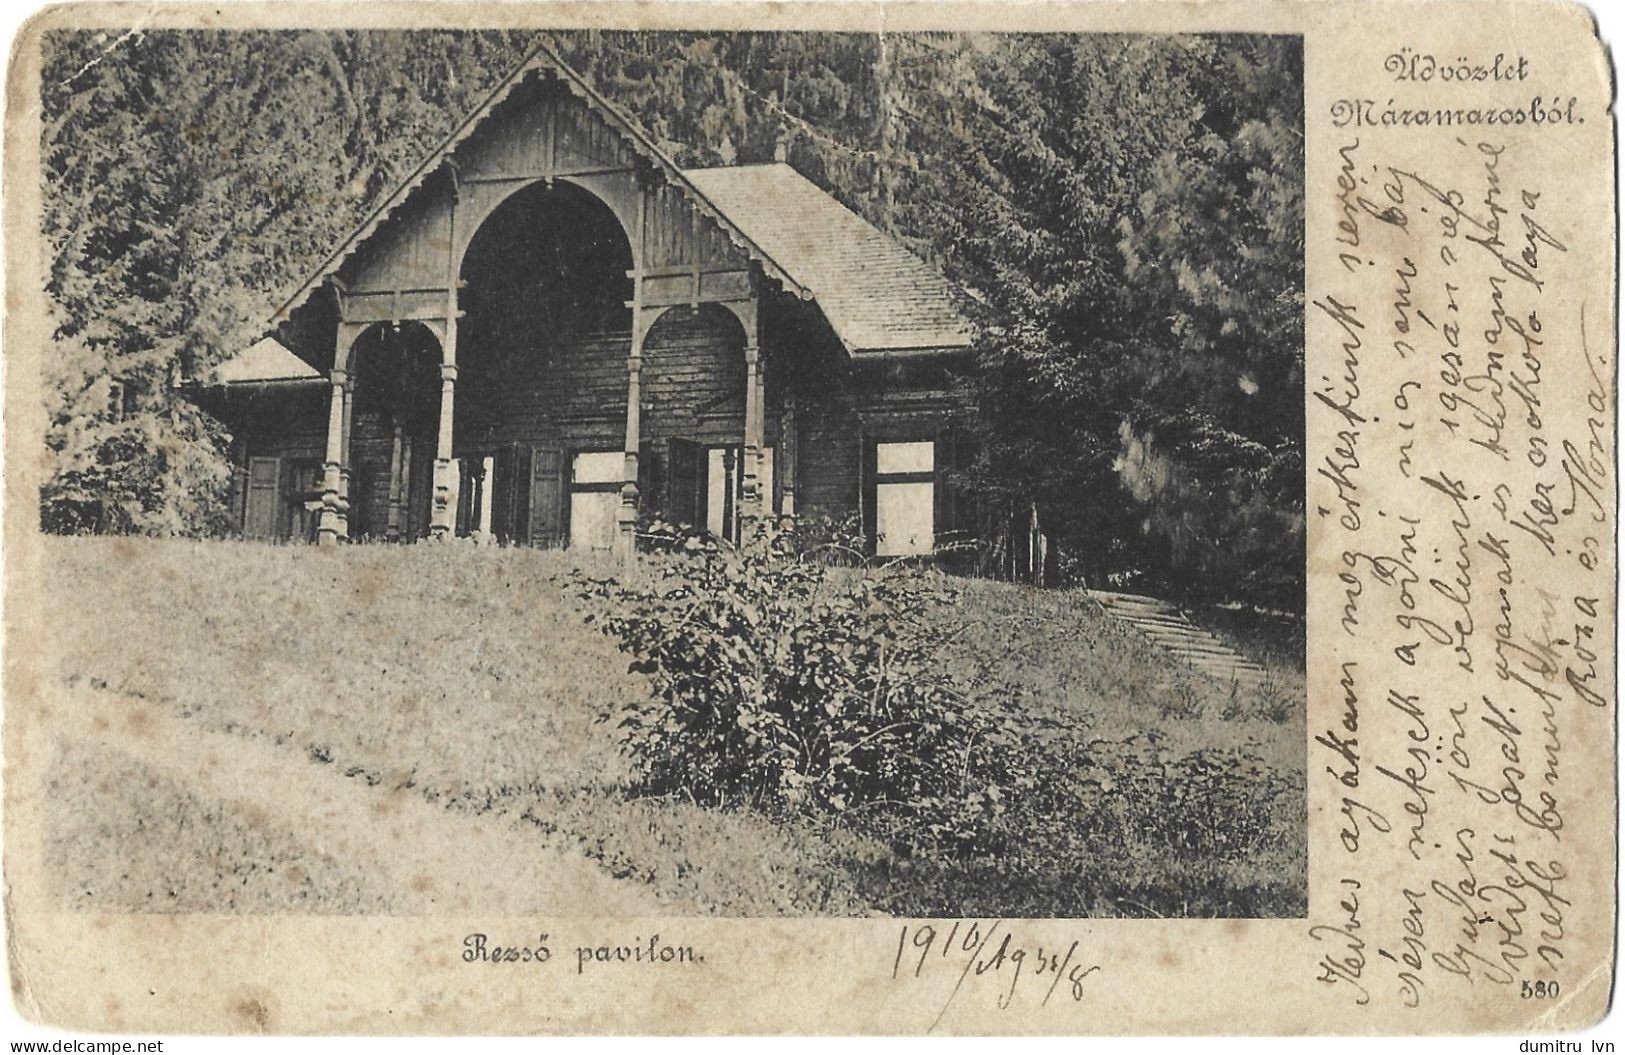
[430,860]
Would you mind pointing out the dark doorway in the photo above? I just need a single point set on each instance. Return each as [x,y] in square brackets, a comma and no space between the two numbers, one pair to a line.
[542,358]
[394,432]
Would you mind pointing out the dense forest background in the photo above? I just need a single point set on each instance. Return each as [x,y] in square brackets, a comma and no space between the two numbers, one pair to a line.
[1126,213]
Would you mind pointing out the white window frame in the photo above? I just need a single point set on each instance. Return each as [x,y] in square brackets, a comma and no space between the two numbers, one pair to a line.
[599,482]
[904,468]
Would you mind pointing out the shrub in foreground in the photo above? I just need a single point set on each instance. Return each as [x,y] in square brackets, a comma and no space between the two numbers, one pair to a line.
[784,684]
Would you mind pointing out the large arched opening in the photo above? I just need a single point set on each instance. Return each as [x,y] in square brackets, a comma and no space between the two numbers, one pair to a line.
[541,387]
[551,261]
[693,468]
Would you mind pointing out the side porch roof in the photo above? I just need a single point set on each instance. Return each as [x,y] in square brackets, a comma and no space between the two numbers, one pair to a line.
[265,362]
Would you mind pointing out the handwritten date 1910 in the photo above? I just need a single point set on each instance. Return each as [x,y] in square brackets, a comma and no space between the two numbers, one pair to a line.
[978,948]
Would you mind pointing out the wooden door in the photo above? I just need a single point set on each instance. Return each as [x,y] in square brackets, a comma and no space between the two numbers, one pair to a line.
[685,483]
[262,510]
[547,496]
[511,494]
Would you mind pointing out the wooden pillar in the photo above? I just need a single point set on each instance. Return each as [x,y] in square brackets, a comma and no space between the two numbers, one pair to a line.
[730,500]
[626,517]
[442,520]
[410,524]
[392,528]
[443,514]
[346,459]
[331,527]
[786,469]
[486,506]
[752,504]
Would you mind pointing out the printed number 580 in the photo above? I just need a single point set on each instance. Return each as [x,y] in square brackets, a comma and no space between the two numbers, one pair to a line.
[1539,990]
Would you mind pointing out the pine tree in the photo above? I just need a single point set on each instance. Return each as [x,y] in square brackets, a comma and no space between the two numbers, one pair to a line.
[190,178]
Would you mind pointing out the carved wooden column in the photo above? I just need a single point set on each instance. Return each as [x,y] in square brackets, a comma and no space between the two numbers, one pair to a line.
[786,468]
[626,517]
[331,527]
[443,514]
[443,518]
[346,459]
[392,528]
[752,504]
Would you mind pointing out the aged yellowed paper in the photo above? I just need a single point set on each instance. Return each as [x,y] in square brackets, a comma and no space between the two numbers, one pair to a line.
[887,518]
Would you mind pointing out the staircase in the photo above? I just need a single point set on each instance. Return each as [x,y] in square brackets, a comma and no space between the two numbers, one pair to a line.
[1165,624]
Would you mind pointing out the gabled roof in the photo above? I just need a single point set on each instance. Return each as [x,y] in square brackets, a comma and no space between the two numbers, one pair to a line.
[877,296]
[542,58]
[267,361]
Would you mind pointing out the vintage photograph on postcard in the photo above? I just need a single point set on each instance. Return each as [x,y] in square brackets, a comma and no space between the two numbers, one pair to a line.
[965,514]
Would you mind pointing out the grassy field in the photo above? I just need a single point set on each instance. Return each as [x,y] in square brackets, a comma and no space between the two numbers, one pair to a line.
[464,676]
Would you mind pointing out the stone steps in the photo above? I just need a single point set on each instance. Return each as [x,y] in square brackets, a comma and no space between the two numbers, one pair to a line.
[1165,625]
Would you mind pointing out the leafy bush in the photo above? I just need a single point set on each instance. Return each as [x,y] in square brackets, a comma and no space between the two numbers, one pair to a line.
[1209,805]
[656,534]
[824,695]
[786,685]
[835,541]
[1131,827]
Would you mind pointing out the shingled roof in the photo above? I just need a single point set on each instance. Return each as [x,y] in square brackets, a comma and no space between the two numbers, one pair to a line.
[877,296]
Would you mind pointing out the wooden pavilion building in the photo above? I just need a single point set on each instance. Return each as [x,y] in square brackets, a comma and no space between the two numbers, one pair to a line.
[550,329]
